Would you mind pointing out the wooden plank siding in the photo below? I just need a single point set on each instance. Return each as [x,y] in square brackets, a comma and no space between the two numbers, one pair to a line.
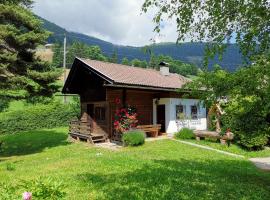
[142,100]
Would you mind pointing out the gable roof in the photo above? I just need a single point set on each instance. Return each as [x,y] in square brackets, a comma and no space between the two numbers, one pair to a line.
[119,74]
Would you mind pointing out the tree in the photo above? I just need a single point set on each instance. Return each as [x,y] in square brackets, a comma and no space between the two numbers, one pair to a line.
[218,21]
[143,64]
[153,62]
[248,111]
[22,74]
[57,60]
[247,90]
[136,62]
[125,61]
[78,49]
[114,57]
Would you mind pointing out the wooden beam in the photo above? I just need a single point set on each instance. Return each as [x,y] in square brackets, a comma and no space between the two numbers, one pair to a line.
[124,96]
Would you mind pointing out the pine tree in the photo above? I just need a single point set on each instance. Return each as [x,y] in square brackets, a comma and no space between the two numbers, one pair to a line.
[114,58]
[22,74]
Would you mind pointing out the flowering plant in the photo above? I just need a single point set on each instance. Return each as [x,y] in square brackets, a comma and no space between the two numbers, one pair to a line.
[27,196]
[125,118]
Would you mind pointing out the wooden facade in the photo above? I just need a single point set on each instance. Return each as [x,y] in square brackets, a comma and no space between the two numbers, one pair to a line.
[141,99]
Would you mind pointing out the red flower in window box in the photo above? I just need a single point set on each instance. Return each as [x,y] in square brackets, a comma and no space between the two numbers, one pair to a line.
[124,119]
[117,101]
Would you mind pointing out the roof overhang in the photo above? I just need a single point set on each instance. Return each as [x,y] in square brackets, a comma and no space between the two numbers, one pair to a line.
[73,69]
[118,85]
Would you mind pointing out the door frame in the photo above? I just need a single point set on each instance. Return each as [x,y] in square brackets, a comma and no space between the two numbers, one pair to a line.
[94,122]
[157,115]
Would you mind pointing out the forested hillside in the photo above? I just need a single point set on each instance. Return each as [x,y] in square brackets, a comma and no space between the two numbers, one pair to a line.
[186,52]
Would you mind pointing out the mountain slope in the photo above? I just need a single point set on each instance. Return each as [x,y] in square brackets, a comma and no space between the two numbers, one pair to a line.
[187,52]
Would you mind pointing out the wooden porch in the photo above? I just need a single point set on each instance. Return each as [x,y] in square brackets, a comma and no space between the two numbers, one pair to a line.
[80,130]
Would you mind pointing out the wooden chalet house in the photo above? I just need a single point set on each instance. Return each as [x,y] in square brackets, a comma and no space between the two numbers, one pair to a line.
[152,92]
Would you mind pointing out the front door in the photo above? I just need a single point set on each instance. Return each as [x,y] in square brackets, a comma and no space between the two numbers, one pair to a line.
[161,117]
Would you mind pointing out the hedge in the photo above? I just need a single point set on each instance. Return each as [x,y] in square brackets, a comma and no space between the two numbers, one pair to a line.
[35,117]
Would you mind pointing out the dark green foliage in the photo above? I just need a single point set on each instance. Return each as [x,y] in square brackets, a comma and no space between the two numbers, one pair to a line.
[35,117]
[76,49]
[253,141]
[185,133]
[125,61]
[247,91]
[58,55]
[114,57]
[4,103]
[133,138]
[176,66]
[22,74]
[212,122]
[137,63]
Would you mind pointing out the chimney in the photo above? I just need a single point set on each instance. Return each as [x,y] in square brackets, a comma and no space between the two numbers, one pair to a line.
[164,69]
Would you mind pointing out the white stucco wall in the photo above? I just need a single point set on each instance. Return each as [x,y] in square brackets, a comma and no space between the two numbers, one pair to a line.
[173,125]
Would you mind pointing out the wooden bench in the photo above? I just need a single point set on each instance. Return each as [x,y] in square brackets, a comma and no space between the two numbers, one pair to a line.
[201,134]
[151,130]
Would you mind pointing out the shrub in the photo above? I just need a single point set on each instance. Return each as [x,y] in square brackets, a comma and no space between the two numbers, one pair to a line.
[45,188]
[252,141]
[249,126]
[41,188]
[185,133]
[39,116]
[133,138]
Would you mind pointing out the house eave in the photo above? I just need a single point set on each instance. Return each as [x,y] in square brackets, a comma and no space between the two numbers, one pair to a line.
[119,85]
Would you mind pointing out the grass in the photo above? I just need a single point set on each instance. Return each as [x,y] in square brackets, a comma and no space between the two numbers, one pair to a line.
[233,148]
[161,169]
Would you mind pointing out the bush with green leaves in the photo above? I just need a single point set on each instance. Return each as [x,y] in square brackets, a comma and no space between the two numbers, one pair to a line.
[185,133]
[35,117]
[45,188]
[247,119]
[133,138]
[40,188]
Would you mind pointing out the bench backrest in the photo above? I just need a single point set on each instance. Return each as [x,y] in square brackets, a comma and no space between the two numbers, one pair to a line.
[158,126]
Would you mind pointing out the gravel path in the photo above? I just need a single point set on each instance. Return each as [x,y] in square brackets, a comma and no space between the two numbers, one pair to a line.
[262,163]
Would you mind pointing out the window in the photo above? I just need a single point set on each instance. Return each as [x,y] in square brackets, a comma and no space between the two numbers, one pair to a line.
[100,113]
[194,112]
[180,111]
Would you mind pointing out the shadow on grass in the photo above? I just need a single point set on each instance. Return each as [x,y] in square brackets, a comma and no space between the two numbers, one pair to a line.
[184,179]
[32,142]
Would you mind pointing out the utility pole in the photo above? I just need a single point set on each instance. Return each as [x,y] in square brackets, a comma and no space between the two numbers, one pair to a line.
[64,65]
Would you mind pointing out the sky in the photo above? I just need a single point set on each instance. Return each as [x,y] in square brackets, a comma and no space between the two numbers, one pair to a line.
[117,21]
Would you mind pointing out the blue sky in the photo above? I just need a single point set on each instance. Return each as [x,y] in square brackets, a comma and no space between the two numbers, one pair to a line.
[116,21]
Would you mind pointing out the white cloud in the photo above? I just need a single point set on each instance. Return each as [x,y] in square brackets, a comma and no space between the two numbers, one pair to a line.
[116,21]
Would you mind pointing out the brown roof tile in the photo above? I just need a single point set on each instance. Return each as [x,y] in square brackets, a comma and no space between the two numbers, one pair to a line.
[123,74]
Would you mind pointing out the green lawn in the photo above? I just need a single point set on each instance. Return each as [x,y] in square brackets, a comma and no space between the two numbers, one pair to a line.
[233,148]
[162,169]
